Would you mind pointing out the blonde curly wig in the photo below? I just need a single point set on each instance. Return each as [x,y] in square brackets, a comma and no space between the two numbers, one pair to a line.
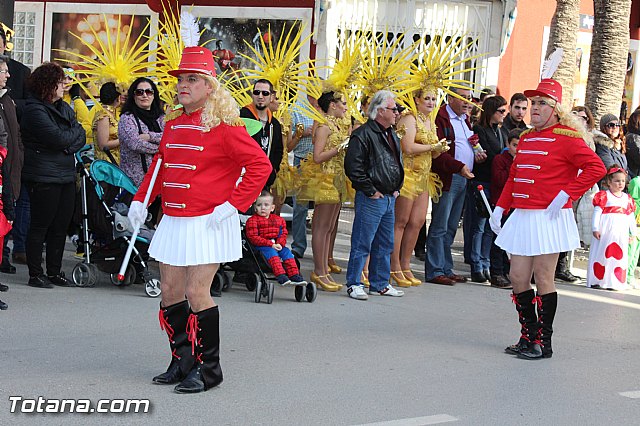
[220,106]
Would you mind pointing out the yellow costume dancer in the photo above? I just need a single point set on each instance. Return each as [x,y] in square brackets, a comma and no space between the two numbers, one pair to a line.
[113,115]
[418,177]
[435,71]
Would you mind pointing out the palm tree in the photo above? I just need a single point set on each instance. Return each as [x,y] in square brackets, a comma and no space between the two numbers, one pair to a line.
[563,34]
[609,50]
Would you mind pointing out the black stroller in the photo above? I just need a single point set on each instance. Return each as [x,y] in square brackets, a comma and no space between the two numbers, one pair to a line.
[250,269]
[104,213]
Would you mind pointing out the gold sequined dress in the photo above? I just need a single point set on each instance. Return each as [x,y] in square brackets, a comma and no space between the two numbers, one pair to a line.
[418,176]
[326,183]
[112,114]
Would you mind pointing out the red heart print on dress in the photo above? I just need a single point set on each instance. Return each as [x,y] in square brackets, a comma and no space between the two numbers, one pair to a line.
[598,270]
[621,274]
[613,250]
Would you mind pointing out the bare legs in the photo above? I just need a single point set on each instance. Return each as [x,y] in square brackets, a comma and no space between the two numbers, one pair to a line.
[544,268]
[194,282]
[410,216]
[324,222]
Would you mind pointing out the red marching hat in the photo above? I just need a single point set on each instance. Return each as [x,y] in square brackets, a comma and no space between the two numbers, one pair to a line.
[547,88]
[196,59]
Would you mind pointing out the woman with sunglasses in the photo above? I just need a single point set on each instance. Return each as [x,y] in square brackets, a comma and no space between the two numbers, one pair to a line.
[610,144]
[140,128]
[493,138]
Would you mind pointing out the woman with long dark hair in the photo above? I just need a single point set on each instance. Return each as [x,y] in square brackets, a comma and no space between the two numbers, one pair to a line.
[51,135]
[493,138]
[140,128]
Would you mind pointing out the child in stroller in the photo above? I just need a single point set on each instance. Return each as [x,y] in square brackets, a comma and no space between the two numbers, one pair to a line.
[267,233]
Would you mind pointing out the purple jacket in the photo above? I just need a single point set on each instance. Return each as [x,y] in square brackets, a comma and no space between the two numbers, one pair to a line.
[133,150]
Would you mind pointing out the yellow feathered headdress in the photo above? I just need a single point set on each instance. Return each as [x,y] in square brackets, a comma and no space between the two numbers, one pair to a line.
[116,59]
[174,32]
[442,65]
[384,66]
[280,64]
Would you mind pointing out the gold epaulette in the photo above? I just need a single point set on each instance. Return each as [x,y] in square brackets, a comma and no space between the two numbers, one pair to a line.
[173,114]
[237,122]
[527,132]
[567,132]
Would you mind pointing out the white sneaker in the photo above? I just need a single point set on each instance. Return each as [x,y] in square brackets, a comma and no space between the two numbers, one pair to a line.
[357,292]
[388,291]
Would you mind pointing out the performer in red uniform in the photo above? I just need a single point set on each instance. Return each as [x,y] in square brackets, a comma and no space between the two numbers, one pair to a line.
[203,150]
[553,166]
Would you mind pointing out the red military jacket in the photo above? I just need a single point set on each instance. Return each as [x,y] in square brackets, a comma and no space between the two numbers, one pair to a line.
[547,162]
[200,169]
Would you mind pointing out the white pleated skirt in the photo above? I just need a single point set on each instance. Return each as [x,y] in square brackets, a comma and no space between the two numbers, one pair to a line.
[531,233]
[186,241]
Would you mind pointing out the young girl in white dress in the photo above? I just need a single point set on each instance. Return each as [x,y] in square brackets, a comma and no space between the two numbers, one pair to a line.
[613,224]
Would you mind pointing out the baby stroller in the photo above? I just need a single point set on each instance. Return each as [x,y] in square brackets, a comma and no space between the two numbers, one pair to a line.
[251,267]
[104,213]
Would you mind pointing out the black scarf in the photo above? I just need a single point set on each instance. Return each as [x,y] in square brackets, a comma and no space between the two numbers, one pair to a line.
[148,118]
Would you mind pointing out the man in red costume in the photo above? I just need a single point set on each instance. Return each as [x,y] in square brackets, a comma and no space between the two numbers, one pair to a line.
[203,150]
[553,166]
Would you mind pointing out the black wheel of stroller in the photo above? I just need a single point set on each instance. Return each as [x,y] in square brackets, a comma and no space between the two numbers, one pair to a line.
[84,274]
[152,287]
[299,292]
[129,277]
[258,288]
[271,289]
[312,292]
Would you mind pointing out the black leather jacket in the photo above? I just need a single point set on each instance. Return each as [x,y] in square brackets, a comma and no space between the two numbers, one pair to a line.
[370,164]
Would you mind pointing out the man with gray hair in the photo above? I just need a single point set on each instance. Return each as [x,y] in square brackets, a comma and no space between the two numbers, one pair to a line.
[373,163]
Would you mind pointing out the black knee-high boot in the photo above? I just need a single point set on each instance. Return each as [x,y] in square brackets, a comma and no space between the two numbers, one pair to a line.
[173,320]
[526,308]
[203,330]
[541,346]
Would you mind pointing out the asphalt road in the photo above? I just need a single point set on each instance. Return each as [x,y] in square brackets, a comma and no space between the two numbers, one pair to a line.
[434,356]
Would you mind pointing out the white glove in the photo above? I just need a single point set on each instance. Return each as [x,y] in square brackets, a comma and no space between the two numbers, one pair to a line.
[553,210]
[495,221]
[137,214]
[220,213]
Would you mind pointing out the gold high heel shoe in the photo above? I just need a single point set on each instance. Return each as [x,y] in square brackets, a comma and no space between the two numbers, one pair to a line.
[333,267]
[414,281]
[326,286]
[365,279]
[334,282]
[400,280]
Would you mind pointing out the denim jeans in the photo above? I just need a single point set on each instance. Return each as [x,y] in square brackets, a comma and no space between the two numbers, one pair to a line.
[480,233]
[299,221]
[372,234]
[269,252]
[22,221]
[445,216]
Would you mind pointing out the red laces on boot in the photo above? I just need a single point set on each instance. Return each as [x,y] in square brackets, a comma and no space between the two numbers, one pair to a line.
[164,324]
[192,331]
[537,301]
